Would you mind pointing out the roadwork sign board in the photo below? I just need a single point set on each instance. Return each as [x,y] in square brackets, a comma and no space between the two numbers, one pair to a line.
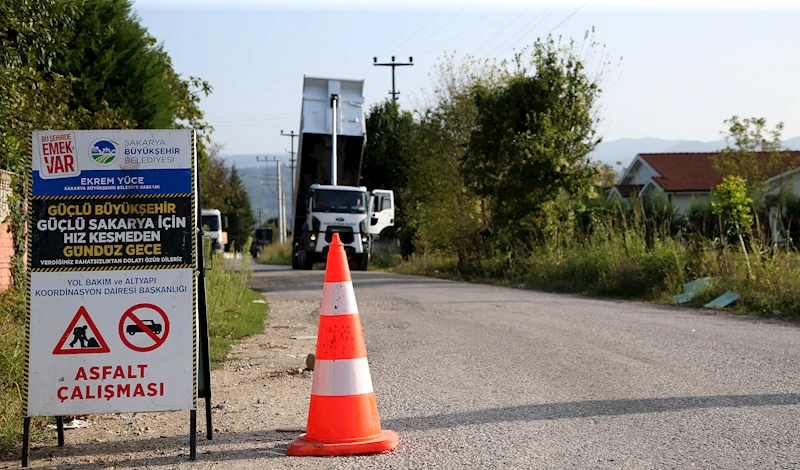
[112,260]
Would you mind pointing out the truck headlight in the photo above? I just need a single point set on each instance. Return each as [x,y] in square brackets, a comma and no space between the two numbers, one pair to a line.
[313,237]
[364,239]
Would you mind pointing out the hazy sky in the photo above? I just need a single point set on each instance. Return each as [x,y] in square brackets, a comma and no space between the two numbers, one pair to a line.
[683,70]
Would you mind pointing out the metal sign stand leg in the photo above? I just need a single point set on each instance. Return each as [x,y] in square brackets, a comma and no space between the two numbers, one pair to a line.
[60,430]
[202,314]
[205,354]
[26,441]
[193,435]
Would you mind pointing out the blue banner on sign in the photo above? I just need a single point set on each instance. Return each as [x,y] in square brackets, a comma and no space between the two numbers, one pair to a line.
[116,182]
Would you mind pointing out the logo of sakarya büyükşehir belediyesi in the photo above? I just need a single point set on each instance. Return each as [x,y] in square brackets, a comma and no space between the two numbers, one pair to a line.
[103,151]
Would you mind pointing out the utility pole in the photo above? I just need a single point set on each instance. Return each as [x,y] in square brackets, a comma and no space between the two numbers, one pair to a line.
[334,138]
[393,64]
[292,165]
[280,196]
[281,208]
[291,153]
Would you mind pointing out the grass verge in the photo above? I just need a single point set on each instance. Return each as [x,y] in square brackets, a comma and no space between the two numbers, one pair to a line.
[12,345]
[226,329]
[234,310]
[624,266]
[280,254]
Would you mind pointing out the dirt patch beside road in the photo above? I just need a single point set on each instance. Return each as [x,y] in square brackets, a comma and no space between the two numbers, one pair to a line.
[260,390]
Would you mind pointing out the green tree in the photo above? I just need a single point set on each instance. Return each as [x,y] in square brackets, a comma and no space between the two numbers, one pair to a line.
[385,164]
[753,152]
[388,131]
[32,95]
[732,204]
[533,137]
[239,213]
[222,188]
[114,62]
[443,214]
[213,181]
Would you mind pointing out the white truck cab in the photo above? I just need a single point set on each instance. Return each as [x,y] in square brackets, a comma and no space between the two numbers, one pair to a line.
[353,213]
[214,228]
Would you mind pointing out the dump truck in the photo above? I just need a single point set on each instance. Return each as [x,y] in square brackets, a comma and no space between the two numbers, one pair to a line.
[327,195]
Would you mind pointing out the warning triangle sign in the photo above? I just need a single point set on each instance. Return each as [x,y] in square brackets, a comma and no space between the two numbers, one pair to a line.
[86,338]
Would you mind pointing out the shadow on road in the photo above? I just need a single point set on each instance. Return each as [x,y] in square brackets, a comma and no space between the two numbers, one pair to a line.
[587,409]
[173,449]
[230,447]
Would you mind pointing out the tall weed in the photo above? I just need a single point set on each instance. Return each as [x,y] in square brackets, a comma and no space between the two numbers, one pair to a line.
[12,344]
[643,252]
[277,253]
[232,313]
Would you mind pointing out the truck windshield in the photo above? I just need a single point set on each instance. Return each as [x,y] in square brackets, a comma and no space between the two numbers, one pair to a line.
[339,201]
[212,221]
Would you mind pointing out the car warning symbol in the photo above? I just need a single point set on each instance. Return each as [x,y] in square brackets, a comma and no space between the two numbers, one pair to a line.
[150,324]
[144,327]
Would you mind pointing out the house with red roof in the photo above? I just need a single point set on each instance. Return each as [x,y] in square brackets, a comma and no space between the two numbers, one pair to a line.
[689,178]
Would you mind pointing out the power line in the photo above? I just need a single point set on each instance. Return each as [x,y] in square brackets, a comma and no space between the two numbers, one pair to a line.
[247,124]
[551,9]
[235,121]
[560,23]
[420,29]
[504,28]
[375,83]
[569,16]
[237,116]
[442,26]
[251,122]
[464,30]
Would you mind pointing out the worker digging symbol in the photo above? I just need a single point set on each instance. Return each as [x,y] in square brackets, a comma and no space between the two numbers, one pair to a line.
[79,335]
[86,338]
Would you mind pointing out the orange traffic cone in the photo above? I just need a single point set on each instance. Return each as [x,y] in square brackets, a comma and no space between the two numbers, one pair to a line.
[343,416]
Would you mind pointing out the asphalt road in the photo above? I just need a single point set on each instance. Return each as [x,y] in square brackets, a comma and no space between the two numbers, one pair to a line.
[474,376]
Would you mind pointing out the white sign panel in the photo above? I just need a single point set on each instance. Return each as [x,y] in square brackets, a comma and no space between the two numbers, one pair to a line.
[113,310]
[94,355]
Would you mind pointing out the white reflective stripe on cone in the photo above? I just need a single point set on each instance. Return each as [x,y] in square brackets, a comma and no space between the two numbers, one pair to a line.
[338,298]
[341,377]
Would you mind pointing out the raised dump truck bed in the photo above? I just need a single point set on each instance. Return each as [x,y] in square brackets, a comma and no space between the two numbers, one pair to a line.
[314,155]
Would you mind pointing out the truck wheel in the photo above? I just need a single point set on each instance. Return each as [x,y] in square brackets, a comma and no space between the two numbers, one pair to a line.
[304,260]
[362,261]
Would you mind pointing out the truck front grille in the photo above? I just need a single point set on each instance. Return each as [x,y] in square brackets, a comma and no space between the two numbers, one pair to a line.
[345,234]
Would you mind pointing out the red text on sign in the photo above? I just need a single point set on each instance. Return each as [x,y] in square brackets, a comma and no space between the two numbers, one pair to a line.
[111,372]
[57,148]
[109,391]
[58,157]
